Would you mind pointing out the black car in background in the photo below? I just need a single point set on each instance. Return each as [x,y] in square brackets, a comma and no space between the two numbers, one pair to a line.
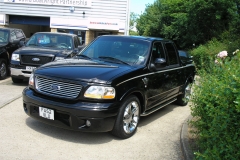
[9,41]
[41,48]
[185,57]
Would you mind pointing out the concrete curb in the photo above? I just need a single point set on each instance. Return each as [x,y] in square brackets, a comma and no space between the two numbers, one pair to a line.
[186,149]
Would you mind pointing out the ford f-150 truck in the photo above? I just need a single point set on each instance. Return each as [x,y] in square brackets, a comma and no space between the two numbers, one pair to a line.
[109,84]
[9,41]
[41,48]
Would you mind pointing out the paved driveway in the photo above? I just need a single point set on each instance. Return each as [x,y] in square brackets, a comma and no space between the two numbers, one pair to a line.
[157,138]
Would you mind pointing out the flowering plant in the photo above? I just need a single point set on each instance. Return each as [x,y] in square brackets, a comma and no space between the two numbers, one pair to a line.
[222,54]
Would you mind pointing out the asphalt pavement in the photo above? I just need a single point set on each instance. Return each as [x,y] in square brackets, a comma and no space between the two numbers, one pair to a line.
[160,136]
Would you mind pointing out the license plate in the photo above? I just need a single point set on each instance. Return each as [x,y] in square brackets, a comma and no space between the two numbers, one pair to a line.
[29,68]
[46,113]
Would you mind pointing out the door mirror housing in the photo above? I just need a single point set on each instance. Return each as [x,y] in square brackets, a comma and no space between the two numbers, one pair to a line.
[16,41]
[22,43]
[161,61]
[158,63]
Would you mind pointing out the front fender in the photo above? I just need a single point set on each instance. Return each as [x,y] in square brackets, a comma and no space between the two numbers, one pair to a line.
[138,90]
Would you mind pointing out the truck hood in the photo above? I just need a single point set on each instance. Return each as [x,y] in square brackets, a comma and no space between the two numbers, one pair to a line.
[43,51]
[83,70]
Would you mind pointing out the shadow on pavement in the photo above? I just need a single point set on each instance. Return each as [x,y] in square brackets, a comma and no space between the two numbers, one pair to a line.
[69,135]
[144,121]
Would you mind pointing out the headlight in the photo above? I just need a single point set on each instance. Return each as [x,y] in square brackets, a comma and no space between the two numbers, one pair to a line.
[58,58]
[99,92]
[31,80]
[15,57]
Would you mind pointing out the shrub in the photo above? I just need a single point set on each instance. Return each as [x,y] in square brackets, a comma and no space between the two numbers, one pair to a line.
[216,105]
[204,54]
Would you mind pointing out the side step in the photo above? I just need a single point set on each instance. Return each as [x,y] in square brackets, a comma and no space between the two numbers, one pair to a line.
[158,107]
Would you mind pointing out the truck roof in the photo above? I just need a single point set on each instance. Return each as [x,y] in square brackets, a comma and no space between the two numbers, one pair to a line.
[141,37]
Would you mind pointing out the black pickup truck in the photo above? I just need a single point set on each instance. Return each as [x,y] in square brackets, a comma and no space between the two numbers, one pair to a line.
[9,41]
[41,48]
[109,85]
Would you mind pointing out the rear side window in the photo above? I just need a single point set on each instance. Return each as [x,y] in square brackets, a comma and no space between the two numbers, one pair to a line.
[19,34]
[172,54]
[13,36]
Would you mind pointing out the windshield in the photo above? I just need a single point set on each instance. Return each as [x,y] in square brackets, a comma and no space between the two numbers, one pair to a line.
[4,36]
[51,40]
[118,49]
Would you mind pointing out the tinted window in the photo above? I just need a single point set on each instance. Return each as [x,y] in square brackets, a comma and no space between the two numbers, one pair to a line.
[172,54]
[19,34]
[4,35]
[51,40]
[13,36]
[157,51]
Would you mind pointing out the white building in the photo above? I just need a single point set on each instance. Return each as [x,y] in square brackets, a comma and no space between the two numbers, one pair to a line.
[86,18]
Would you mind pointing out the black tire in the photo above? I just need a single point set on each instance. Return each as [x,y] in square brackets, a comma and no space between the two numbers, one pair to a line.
[128,118]
[17,80]
[183,99]
[3,69]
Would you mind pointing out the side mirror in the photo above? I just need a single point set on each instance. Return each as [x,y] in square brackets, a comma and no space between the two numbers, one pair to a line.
[75,50]
[22,43]
[158,63]
[16,41]
[161,61]
[81,47]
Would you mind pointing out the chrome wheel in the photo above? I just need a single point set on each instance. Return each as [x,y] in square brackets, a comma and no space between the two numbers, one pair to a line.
[187,93]
[3,70]
[128,118]
[131,117]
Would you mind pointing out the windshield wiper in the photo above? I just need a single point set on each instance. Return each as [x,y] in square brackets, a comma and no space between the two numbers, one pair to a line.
[84,56]
[32,45]
[113,59]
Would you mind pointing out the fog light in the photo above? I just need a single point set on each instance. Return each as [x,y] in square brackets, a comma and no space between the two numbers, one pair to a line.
[88,123]
[25,107]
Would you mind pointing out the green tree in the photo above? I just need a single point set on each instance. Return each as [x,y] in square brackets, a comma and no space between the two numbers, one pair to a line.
[189,21]
[148,22]
[209,18]
[132,24]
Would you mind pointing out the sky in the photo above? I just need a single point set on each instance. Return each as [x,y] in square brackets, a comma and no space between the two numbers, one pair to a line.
[138,6]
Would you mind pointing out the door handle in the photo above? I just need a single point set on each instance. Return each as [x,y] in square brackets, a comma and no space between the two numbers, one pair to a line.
[166,75]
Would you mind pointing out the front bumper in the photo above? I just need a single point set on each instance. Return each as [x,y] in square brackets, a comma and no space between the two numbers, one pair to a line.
[72,116]
[20,73]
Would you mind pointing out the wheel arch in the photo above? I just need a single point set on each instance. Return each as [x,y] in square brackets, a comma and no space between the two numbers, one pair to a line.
[139,95]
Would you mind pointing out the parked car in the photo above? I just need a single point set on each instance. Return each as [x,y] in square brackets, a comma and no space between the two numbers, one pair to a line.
[185,57]
[109,85]
[41,48]
[9,41]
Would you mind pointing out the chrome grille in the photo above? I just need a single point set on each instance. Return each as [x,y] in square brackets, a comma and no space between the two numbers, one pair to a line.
[57,88]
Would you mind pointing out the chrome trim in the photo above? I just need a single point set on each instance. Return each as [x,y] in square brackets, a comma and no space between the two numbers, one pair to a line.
[166,92]
[19,72]
[61,89]
[157,108]
[153,73]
